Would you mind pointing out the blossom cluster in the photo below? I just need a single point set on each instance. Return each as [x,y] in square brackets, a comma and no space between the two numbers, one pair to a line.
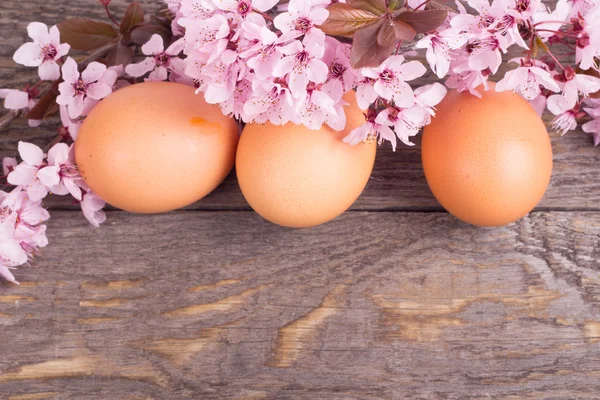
[291,62]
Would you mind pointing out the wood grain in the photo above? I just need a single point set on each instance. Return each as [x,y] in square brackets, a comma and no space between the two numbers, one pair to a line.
[215,303]
[373,305]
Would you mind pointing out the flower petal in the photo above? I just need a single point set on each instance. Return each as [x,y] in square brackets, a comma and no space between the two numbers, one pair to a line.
[49,176]
[22,174]
[16,100]
[38,31]
[58,154]
[49,70]
[93,72]
[139,69]
[29,55]
[30,153]
[153,46]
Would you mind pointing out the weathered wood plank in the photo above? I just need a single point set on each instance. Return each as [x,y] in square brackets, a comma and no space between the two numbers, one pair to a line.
[373,305]
[397,183]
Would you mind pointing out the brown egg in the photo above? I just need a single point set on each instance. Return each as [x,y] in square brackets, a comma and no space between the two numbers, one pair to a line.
[488,161]
[154,147]
[297,177]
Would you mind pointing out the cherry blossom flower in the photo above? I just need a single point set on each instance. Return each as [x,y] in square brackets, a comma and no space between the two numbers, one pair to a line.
[43,52]
[389,82]
[551,21]
[439,47]
[593,126]
[371,130]
[78,91]
[25,174]
[264,55]
[206,31]
[91,206]
[243,8]
[61,174]
[342,77]
[527,80]
[588,43]
[19,100]
[271,101]
[303,64]
[572,84]
[161,63]
[318,108]
[8,164]
[70,126]
[565,121]
[485,52]
[301,17]
[21,230]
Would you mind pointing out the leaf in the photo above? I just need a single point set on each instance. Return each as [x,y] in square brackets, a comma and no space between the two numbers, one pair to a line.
[45,102]
[344,20]
[366,52]
[376,7]
[143,33]
[396,4]
[386,35]
[134,15]
[423,21]
[121,54]
[403,31]
[86,34]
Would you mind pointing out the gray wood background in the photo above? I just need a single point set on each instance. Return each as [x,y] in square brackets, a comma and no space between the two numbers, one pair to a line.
[394,299]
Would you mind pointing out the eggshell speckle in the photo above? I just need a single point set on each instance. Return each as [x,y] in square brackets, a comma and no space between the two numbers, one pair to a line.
[297,177]
[154,147]
[488,161]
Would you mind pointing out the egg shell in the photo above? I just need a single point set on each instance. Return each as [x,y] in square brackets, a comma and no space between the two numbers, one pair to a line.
[297,177]
[154,147]
[488,161]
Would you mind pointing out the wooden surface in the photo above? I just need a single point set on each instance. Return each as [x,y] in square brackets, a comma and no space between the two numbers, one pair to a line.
[395,299]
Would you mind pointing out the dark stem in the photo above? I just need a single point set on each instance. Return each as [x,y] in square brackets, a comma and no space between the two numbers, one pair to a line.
[557,33]
[422,4]
[110,15]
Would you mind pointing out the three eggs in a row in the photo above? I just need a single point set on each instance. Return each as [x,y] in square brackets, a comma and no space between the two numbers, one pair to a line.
[157,146]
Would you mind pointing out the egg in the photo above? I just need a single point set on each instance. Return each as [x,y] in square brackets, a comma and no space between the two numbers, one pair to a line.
[487,160]
[297,177]
[155,147]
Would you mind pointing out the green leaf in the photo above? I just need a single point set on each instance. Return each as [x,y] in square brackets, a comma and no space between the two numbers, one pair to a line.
[423,21]
[376,7]
[143,33]
[86,34]
[366,52]
[344,20]
[134,15]
[396,4]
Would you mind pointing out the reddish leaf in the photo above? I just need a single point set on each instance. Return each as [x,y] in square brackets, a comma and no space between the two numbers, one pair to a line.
[121,54]
[396,4]
[366,52]
[134,15]
[423,21]
[344,20]
[41,108]
[404,31]
[386,35]
[376,7]
[143,33]
[86,34]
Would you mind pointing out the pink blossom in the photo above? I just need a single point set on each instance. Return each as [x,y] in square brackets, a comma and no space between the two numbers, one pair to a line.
[70,126]
[43,52]
[21,230]
[19,100]
[564,122]
[371,130]
[242,8]
[549,20]
[8,164]
[318,108]
[303,64]
[439,47]
[342,77]
[467,80]
[539,104]
[161,61]
[485,52]
[265,52]
[389,82]
[301,17]
[271,102]
[527,80]
[91,206]
[79,91]
[199,33]
[588,42]
[61,174]
[572,85]
[593,126]
[200,9]
[25,174]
